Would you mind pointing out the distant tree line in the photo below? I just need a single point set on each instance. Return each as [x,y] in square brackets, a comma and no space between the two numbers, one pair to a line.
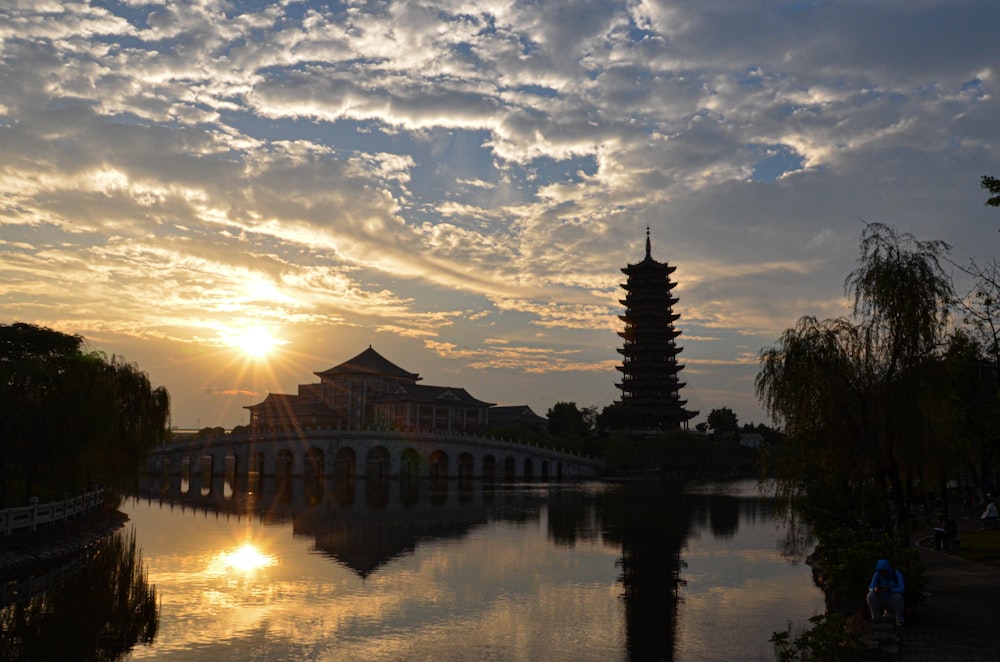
[70,418]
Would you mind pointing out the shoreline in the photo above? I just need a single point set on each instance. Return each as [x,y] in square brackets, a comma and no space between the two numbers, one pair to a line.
[28,552]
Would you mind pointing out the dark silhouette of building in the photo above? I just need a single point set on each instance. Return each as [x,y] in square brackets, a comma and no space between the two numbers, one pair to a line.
[650,386]
[370,390]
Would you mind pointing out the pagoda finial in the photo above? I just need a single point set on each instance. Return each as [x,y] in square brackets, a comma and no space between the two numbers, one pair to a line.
[649,252]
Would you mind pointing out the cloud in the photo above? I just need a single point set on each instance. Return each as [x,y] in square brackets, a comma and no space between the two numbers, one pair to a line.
[453,174]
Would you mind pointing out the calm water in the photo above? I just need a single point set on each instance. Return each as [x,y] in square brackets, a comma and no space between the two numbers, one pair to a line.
[538,572]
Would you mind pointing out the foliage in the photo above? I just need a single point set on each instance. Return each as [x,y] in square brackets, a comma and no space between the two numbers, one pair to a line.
[567,418]
[617,417]
[973,427]
[845,560]
[679,452]
[99,614]
[829,639]
[991,184]
[723,423]
[854,395]
[69,417]
[572,429]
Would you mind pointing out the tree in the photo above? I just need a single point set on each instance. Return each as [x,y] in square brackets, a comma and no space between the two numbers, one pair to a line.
[724,423]
[991,184]
[981,308]
[70,417]
[853,393]
[565,418]
[973,430]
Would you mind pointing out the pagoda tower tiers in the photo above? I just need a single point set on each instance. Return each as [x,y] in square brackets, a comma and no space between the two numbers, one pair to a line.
[650,386]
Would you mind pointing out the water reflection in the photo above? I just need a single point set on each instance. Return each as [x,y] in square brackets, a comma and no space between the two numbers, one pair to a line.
[100,609]
[245,559]
[611,572]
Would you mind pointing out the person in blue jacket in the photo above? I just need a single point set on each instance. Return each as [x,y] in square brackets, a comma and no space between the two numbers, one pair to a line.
[885,593]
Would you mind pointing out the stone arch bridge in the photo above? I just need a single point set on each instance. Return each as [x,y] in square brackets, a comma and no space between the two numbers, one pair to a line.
[245,458]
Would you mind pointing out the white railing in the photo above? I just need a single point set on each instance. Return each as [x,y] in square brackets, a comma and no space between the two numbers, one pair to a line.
[12,519]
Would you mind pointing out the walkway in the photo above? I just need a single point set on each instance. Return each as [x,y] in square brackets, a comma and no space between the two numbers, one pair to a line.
[959,618]
[27,551]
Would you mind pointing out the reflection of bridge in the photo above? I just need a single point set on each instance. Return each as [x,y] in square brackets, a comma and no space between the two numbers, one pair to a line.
[317,454]
[364,525]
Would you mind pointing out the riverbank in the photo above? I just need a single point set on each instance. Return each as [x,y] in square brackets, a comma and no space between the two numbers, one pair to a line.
[26,551]
[957,619]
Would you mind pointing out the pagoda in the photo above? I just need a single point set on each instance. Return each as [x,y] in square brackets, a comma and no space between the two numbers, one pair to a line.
[650,386]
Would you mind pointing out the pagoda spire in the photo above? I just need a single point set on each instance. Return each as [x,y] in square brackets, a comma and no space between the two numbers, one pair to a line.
[649,249]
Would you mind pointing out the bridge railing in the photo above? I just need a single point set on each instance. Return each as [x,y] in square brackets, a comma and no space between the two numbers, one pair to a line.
[13,519]
[283,431]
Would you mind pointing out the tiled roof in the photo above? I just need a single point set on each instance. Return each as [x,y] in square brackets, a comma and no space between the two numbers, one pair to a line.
[431,394]
[368,362]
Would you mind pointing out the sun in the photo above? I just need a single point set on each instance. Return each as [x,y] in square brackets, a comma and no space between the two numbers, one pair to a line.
[256,342]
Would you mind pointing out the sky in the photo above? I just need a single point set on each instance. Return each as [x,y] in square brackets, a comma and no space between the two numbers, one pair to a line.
[236,195]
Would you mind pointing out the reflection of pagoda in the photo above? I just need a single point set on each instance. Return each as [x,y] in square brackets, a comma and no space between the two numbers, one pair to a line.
[651,521]
[650,387]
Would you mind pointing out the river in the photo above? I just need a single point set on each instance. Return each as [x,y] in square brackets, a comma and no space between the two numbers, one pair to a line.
[397,571]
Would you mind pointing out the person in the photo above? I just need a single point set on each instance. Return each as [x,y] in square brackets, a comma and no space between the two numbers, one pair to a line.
[944,532]
[989,516]
[885,592]
[968,501]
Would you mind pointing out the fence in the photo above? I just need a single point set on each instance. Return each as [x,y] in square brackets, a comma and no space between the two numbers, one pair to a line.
[12,519]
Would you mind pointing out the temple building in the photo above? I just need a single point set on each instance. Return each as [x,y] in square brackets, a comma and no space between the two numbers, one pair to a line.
[371,391]
[650,385]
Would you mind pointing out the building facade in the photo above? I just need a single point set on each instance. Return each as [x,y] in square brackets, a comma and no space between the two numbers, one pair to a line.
[370,391]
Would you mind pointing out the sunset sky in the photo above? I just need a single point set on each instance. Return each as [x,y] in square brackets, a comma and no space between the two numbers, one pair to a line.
[458,184]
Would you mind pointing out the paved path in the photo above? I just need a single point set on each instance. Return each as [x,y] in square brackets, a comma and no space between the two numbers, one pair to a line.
[960,619]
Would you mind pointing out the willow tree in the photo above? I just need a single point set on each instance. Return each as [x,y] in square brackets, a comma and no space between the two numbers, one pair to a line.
[991,184]
[69,417]
[852,393]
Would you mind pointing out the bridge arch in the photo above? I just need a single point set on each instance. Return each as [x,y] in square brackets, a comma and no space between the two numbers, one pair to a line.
[409,463]
[438,464]
[207,469]
[377,463]
[344,464]
[344,455]
[230,477]
[185,474]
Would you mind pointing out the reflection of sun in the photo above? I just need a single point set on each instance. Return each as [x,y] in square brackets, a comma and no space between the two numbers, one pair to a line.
[245,559]
[255,343]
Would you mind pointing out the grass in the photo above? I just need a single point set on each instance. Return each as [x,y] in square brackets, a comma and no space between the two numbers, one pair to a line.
[980,546]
